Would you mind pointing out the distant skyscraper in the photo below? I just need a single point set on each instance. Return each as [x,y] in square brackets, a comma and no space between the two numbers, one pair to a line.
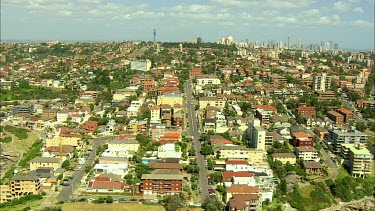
[299,43]
[154,35]
[336,46]
[330,45]
[281,44]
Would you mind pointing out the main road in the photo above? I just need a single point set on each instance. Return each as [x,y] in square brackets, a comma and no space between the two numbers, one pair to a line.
[193,131]
[67,191]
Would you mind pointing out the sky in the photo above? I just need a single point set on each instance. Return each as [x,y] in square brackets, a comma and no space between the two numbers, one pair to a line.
[350,23]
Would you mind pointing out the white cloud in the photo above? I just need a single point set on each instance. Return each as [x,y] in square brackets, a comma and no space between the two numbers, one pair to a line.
[361,23]
[195,8]
[341,6]
[358,10]
[276,4]
[65,13]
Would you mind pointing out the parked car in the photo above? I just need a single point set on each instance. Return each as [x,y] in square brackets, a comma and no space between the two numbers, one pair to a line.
[122,199]
[133,199]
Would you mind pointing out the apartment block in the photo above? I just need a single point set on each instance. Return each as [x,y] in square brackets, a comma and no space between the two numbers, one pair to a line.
[321,82]
[338,136]
[336,117]
[25,185]
[307,153]
[161,184]
[359,159]
[203,80]
[348,115]
[256,135]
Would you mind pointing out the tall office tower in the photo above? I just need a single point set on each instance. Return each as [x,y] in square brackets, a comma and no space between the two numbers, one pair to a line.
[299,43]
[154,35]
[281,44]
[336,46]
[256,135]
[330,45]
[321,82]
[288,42]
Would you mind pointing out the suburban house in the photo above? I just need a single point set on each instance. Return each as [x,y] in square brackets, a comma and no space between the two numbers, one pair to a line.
[239,189]
[117,169]
[285,158]
[90,126]
[238,178]
[106,183]
[169,151]
[245,202]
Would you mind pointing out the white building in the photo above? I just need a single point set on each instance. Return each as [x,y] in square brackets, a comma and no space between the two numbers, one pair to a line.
[321,82]
[117,152]
[155,112]
[221,124]
[143,65]
[238,178]
[307,153]
[169,151]
[62,115]
[203,80]
[256,135]
[117,169]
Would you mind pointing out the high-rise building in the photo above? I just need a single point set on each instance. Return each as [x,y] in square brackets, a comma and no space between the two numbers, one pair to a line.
[336,46]
[359,159]
[321,82]
[256,135]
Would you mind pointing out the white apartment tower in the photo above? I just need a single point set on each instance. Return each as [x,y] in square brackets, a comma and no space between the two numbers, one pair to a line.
[256,135]
[321,82]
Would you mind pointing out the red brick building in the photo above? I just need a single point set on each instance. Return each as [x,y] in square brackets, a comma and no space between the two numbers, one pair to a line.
[302,139]
[306,111]
[336,117]
[348,115]
[161,184]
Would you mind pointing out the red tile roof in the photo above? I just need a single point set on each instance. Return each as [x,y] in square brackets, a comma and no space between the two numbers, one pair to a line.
[239,201]
[266,107]
[230,174]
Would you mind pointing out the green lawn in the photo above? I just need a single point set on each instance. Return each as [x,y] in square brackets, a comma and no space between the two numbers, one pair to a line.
[305,191]
[32,204]
[342,173]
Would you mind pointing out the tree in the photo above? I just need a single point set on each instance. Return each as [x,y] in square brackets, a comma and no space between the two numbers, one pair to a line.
[174,202]
[215,177]
[142,169]
[206,150]
[109,199]
[65,165]
[210,163]
[361,126]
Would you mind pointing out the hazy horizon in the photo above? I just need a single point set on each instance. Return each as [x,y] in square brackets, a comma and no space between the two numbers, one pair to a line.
[350,23]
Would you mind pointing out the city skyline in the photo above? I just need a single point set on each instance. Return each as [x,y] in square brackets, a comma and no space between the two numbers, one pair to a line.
[348,22]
